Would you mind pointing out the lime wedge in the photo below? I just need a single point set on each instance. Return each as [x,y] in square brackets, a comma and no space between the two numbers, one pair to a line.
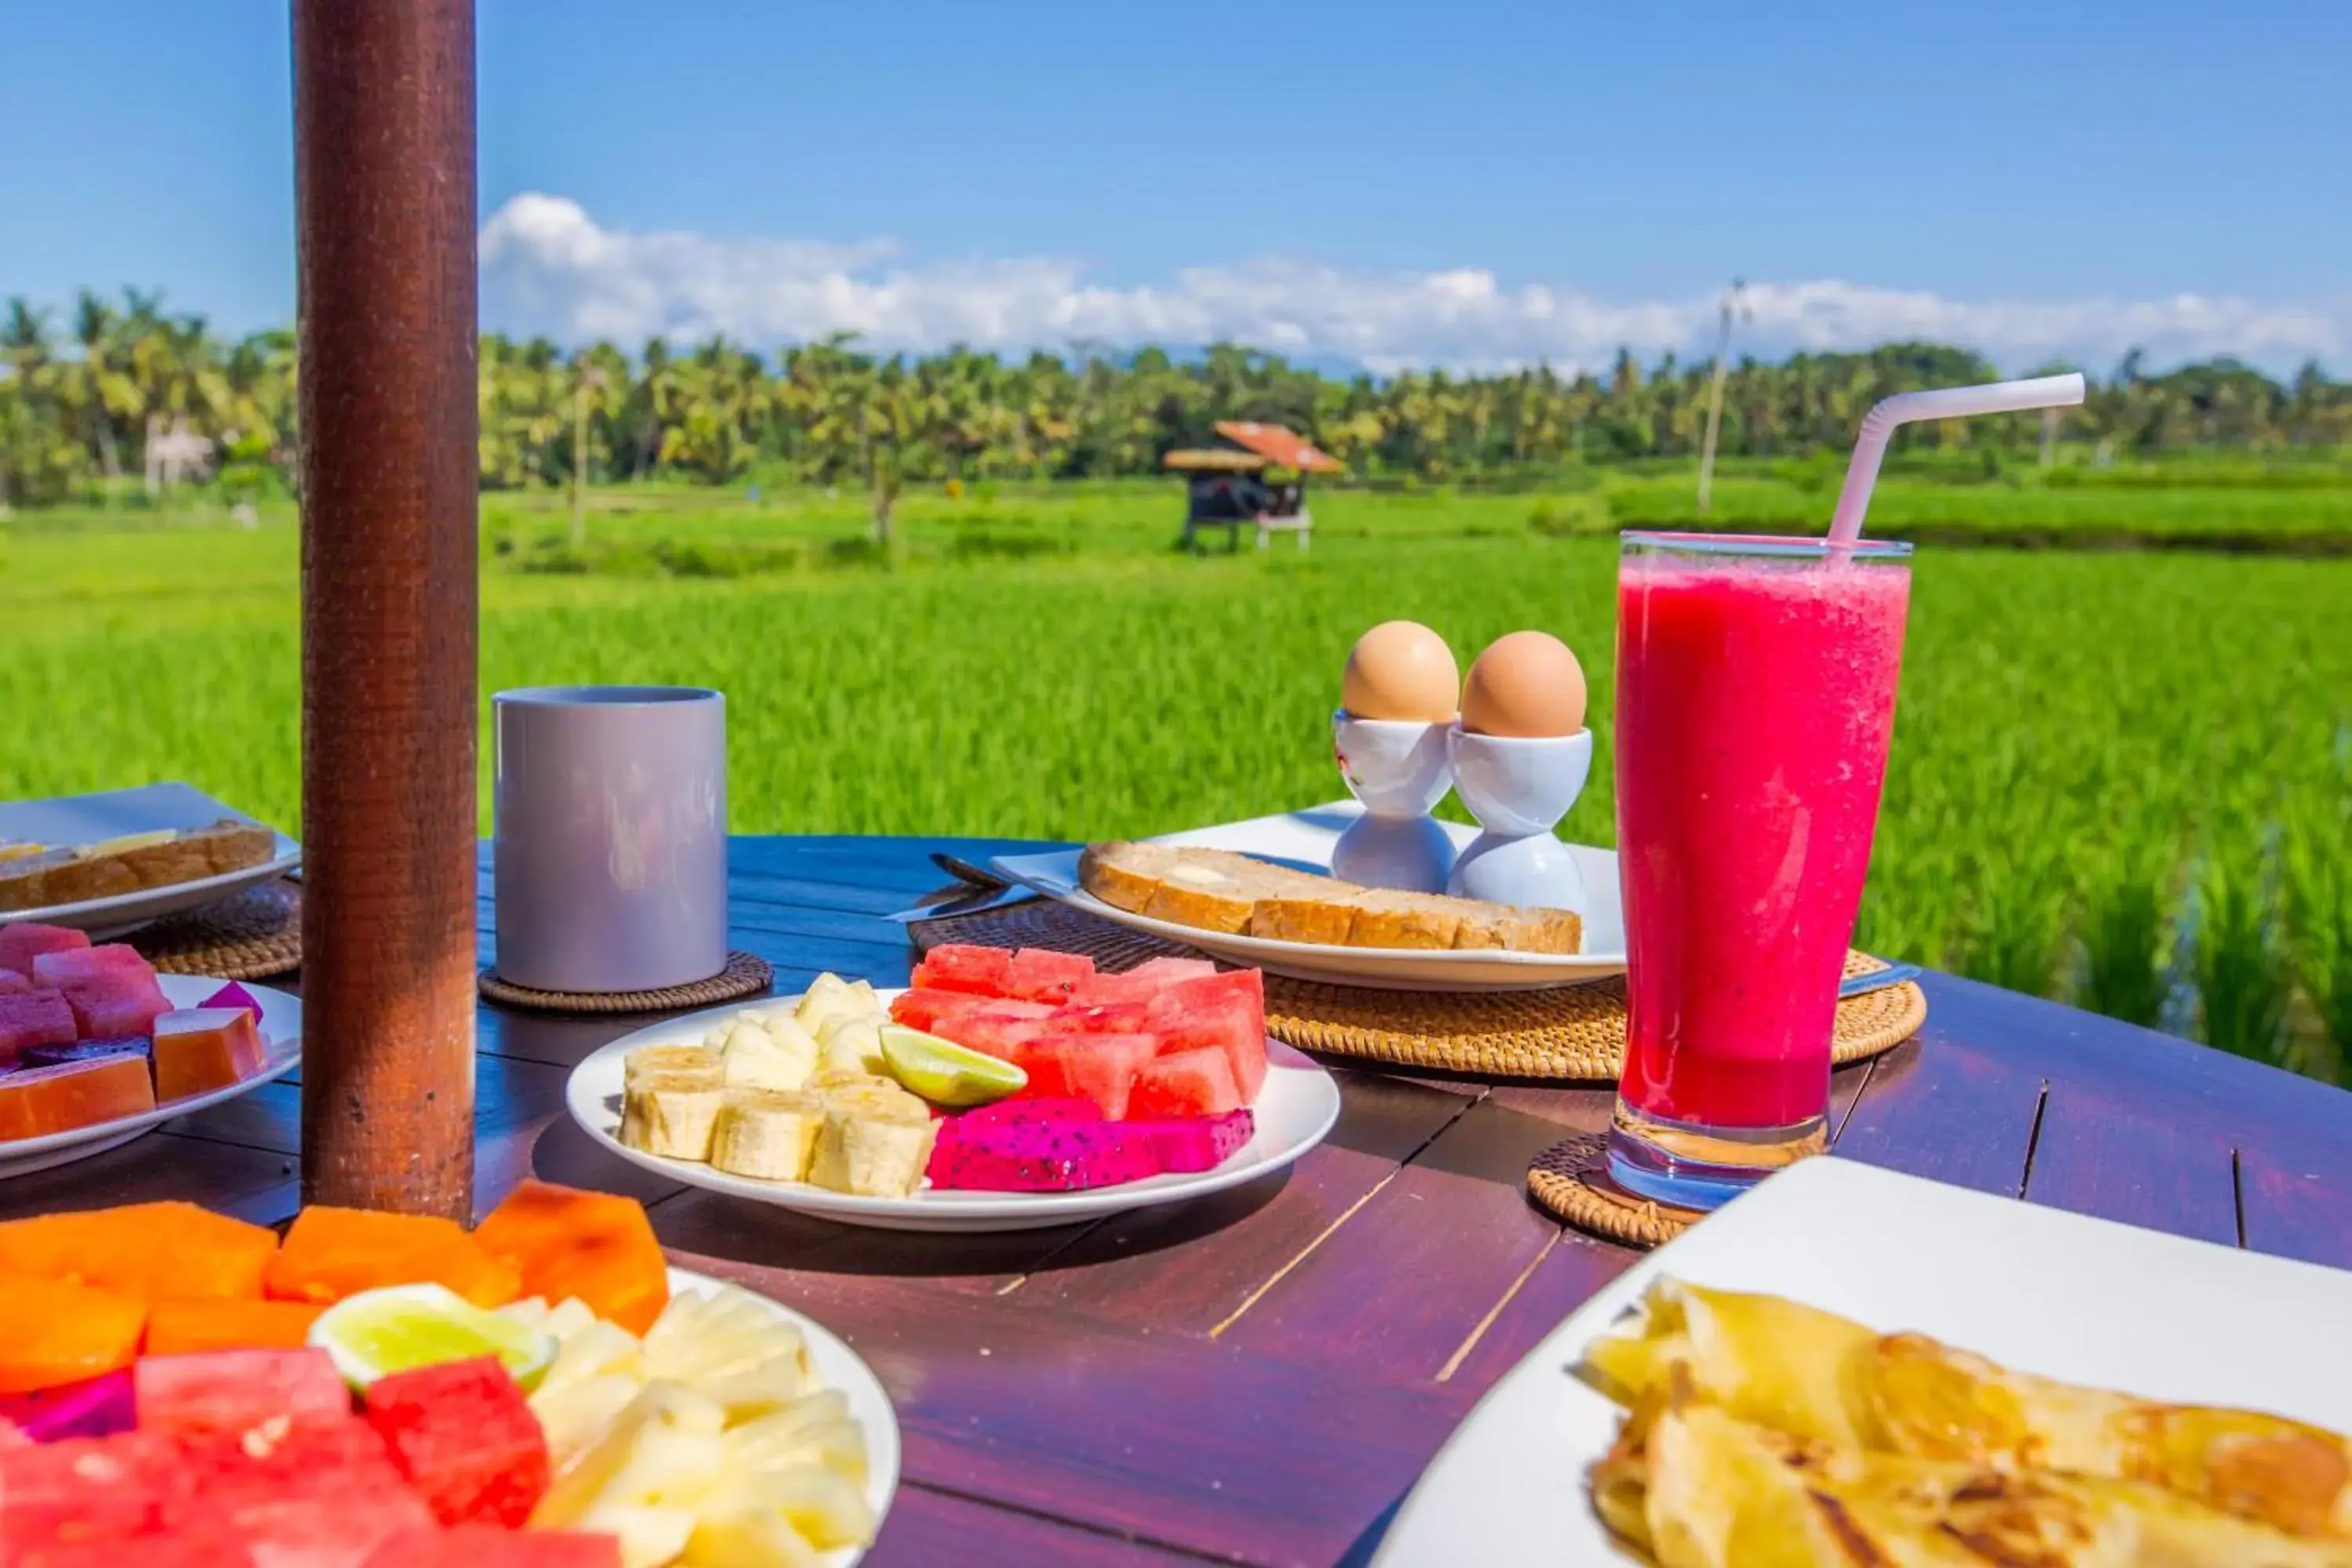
[403,1327]
[944,1072]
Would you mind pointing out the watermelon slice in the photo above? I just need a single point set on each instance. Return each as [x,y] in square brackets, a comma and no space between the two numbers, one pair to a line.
[1162,972]
[991,1033]
[925,1007]
[29,1018]
[489,1546]
[465,1438]
[1105,1018]
[89,1489]
[979,970]
[1227,1011]
[1198,1082]
[71,963]
[28,940]
[225,1394]
[115,1002]
[1096,1067]
[1040,974]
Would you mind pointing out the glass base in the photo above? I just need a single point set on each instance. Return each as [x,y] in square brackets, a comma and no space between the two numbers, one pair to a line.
[1689,1166]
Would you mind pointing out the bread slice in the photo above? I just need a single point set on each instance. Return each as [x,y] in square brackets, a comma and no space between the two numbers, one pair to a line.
[1387,919]
[96,871]
[1218,890]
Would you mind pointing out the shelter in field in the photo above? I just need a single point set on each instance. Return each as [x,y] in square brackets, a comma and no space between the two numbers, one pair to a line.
[1260,481]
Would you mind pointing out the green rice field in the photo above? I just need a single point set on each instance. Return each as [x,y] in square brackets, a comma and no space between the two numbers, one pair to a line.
[2117,777]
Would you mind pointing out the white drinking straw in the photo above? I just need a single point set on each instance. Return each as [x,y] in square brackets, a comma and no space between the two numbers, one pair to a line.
[1945,403]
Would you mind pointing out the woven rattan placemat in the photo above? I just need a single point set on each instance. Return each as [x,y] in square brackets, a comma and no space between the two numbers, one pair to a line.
[1577,1033]
[253,935]
[1570,1182]
[746,974]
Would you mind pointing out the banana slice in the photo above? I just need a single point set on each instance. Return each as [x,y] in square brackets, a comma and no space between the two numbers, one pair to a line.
[766,1133]
[667,1058]
[672,1114]
[875,1142]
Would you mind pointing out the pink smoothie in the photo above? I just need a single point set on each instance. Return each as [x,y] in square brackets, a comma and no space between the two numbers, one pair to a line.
[1755,701]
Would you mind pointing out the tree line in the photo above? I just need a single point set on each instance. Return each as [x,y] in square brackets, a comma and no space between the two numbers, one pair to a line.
[86,393]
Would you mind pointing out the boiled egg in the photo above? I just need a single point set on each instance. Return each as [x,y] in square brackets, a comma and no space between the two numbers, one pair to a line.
[1526,684]
[1401,669]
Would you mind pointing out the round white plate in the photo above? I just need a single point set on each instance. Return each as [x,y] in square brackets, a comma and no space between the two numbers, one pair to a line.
[1294,1111]
[1305,838]
[281,1032]
[837,1366]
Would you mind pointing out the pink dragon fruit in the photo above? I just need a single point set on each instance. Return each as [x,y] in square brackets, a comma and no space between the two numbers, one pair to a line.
[1043,1146]
[1187,1144]
[96,1408]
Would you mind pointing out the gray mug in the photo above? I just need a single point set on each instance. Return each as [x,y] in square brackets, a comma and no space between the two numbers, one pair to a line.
[609,837]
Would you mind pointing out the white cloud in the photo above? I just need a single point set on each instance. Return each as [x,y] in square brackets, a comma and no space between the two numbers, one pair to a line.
[548,266]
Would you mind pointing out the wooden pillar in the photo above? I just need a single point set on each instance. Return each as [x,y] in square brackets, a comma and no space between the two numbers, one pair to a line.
[383,115]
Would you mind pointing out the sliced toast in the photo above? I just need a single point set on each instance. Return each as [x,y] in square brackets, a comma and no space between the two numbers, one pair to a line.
[1218,890]
[70,876]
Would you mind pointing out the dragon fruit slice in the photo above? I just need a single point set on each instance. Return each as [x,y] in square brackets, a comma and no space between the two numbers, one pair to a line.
[99,1407]
[234,995]
[1049,1146]
[1188,1144]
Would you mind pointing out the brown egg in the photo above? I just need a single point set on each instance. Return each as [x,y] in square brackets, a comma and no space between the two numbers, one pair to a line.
[1401,669]
[1527,683]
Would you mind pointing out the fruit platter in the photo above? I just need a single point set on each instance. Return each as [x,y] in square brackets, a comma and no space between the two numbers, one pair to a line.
[182,1389]
[95,1048]
[1000,1090]
[111,862]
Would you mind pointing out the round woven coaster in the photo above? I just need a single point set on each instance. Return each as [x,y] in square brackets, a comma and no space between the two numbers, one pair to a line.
[1576,1033]
[253,935]
[1570,1182]
[745,975]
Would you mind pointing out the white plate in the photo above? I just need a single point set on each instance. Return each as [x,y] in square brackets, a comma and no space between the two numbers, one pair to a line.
[1294,1111]
[281,1033]
[1306,837]
[87,819]
[837,1366]
[2036,1289]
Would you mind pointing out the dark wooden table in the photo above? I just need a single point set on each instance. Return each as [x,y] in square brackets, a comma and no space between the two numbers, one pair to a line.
[1261,1376]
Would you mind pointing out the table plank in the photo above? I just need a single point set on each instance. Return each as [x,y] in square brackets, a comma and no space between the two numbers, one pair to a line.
[2294,1210]
[926,1528]
[1936,1108]
[1562,1279]
[1405,1281]
[1188,1268]
[153,1168]
[1178,1442]
[2101,1155]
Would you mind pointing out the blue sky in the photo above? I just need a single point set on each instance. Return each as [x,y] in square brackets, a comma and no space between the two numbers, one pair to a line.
[1382,182]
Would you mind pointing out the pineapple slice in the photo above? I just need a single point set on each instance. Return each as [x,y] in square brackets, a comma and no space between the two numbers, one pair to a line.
[761,1538]
[824,1509]
[648,1536]
[730,1347]
[768,1050]
[573,1415]
[816,1431]
[852,1043]
[661,1451]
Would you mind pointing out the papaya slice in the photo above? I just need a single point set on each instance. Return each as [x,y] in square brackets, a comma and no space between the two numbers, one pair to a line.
[151,1251]
[54,1332]
[330,1253]
[597,1246]
[182,1328]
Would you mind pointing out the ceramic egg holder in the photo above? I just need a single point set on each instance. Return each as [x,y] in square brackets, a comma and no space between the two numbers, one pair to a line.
[1399,769]
[1518,787]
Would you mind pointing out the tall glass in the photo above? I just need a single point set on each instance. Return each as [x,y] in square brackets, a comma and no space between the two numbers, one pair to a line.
[1755,701]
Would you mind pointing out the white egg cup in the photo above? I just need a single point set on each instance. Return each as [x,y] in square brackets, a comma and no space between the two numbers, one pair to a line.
[1518,788]
[1399,769]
